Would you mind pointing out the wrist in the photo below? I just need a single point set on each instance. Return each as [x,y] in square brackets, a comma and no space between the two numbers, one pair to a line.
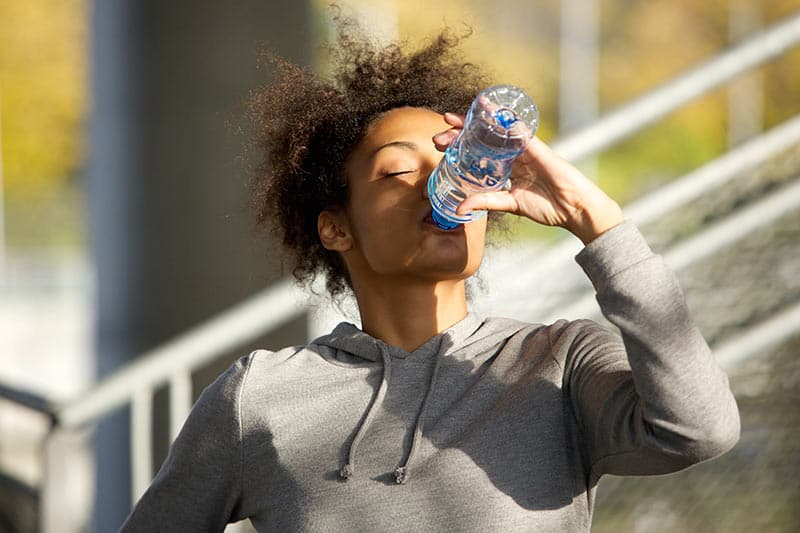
[595,219]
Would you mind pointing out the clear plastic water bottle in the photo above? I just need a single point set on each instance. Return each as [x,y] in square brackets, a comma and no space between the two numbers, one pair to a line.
[499,124]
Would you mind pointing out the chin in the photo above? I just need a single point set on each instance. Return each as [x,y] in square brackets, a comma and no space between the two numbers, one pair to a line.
[452,272]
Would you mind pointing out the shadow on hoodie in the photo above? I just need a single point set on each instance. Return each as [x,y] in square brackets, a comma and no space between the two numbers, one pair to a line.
[491,393]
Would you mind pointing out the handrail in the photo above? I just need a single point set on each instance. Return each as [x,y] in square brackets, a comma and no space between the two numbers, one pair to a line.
[619,124]
[189,351]
[704,243]
[744,158]
[770,332]
[28,399]
[643,111]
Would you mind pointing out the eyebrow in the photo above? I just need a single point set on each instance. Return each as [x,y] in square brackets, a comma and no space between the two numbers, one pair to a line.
[406,145]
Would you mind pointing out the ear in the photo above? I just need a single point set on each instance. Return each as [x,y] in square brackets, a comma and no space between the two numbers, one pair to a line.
[334,230]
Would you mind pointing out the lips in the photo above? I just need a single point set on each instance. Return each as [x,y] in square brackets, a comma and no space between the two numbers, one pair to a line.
[428,220]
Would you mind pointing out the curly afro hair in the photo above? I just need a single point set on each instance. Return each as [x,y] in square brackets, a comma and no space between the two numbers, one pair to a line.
[306,127]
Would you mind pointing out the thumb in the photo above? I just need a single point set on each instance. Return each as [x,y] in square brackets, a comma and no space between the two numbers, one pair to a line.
[489,201]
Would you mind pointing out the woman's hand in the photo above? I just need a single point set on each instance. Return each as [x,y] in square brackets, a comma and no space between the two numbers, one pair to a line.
[545,189]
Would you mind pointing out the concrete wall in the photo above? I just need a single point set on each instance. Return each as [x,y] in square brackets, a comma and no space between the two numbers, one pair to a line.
[170,234]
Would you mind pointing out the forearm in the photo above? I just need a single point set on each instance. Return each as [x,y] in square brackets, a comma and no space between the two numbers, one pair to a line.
[679,395]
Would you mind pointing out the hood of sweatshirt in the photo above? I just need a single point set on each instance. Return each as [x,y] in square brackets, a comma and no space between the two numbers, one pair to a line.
[355,345]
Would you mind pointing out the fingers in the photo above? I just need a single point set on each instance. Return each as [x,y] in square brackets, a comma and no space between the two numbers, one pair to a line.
[489,201]
[454,120]
[541,149]
[443,139]
[545,159]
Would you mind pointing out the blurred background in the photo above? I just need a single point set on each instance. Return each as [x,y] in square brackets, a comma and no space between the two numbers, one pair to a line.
[130,274]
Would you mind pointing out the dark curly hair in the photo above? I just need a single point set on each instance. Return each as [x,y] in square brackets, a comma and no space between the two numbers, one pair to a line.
[306,127]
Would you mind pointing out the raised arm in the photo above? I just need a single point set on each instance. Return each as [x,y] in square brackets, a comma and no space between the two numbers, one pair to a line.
[655,400]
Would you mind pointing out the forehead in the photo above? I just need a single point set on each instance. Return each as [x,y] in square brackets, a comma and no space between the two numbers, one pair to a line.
[403,123]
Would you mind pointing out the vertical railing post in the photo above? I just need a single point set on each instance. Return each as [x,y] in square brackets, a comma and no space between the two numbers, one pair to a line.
[745,92]
[180,401]
[579,59]
[141,442]
[44,518]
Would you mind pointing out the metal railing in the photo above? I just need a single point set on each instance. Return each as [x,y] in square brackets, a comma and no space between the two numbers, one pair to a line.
[641,112]
[174,362]
[707,242]
[654,206]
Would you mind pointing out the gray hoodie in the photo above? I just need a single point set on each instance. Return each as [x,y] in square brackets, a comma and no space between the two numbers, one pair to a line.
[492,425]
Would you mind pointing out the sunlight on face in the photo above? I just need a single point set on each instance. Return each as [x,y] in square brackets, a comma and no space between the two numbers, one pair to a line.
[389,212]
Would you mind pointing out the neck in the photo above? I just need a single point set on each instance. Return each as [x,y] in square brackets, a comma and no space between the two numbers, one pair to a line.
[406,315]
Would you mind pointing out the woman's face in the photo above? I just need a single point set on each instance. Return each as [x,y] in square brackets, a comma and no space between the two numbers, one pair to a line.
[389,212]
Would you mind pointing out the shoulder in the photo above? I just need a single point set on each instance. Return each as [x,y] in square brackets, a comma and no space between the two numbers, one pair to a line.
[558,335]
[262,366]
[568,342]
[569,332]
[264,380]
[227,389]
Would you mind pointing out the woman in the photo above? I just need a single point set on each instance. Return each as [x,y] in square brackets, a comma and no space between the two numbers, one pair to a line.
[427,417]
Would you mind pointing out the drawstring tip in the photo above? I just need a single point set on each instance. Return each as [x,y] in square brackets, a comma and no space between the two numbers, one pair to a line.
[346,472]
[400,475]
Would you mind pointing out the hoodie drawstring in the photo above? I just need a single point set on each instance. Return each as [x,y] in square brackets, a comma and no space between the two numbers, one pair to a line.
[402,472]
[347,470]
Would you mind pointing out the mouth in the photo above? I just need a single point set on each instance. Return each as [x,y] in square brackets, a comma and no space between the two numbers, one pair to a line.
[428,221]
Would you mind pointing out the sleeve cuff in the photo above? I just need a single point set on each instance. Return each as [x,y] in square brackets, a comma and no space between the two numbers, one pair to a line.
[612,252]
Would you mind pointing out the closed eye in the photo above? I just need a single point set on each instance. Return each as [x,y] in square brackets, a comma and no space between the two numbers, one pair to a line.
[398,173]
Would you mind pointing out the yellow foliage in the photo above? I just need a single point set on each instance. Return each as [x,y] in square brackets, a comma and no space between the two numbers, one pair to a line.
[44,48]
[643,43]
[43,96]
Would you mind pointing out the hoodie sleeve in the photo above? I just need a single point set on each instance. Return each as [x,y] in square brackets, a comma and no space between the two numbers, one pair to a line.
[198,488]
[654,401]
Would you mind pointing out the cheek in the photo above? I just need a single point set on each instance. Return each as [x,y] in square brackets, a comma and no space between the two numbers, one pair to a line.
[383,236]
